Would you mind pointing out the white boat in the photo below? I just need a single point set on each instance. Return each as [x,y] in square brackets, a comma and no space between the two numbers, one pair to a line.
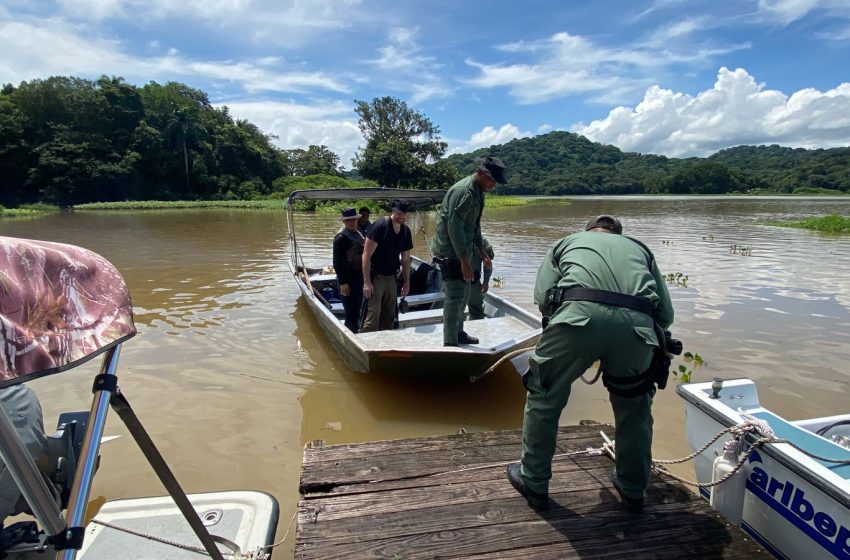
[61,306]
[795,505]
[415,348]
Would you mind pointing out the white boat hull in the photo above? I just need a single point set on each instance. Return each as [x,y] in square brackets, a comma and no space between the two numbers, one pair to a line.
[796,507]
[248,519]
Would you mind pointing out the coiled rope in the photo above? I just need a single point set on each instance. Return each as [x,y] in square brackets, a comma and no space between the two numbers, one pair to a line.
[750,424]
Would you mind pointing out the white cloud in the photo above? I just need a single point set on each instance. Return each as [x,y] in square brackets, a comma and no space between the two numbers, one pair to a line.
[93,9]
[297,125]
[51,47]
[566,64]
[404,68]
[288,23]
[488,136]
[786,12]
[737,110]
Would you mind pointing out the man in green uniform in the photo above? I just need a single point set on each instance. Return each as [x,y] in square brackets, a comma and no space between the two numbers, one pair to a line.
[457,235]
[481,284]
[581,330]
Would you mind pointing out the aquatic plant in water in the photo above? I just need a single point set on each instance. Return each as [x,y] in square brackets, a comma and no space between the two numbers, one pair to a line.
[693,362]
[743,250]
[832,223]
[677,279]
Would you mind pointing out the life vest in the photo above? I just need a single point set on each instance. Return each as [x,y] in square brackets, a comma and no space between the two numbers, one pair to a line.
[354,253]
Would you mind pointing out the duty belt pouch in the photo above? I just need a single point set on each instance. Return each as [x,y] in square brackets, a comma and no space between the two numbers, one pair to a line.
[660,367]
[450,268]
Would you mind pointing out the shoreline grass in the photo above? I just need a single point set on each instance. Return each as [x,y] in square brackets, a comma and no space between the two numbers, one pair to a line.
[269,203]
[277,204]
[28,210]
[832,223]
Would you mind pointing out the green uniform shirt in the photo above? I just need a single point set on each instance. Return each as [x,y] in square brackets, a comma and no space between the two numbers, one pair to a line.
[604,261]
[459,220]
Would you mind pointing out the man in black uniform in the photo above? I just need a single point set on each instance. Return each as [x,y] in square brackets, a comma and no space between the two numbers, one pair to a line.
[348,254]
[363,223]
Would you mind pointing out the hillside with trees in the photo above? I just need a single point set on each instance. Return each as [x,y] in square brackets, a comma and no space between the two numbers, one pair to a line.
[563,163]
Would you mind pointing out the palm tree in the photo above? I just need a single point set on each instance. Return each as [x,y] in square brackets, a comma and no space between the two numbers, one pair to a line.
[184,130]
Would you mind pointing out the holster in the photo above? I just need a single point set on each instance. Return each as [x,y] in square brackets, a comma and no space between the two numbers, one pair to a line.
[450,268]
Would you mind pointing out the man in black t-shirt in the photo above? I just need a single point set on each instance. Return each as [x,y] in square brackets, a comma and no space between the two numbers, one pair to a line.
[388,238]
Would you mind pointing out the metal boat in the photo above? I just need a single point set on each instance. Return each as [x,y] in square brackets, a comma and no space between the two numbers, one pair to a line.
[415,348]
[61,306]
[795,492]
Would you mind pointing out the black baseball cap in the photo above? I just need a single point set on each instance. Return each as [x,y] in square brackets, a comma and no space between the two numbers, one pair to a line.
[605,222]
[401,206]
[493,167]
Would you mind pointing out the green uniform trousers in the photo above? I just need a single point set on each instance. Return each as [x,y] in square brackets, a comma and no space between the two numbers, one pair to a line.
[567,348]
[475,301]
[454,308]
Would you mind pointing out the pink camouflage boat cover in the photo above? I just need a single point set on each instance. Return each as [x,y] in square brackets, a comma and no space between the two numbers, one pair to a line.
[60,305]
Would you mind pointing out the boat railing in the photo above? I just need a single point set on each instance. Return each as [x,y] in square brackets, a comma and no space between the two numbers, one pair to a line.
[62,306]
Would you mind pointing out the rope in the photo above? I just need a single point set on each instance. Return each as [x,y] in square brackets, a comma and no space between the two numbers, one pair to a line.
[590,451]
[257,554]
[506,357]
[751,424]
[595,377]
[423,232]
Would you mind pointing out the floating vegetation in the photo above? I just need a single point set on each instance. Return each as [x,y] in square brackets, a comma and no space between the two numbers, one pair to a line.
[743,250]
[708,238]
[498,282]
[832,223]
[666,242]
[693,362]
[677,279]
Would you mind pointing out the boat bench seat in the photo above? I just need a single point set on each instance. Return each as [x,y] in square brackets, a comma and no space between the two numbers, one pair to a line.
[418,299]
[809,441]
[424,317]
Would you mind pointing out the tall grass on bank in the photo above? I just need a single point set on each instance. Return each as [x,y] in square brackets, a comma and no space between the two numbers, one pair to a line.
[833,223]
[27,210]
[181,204]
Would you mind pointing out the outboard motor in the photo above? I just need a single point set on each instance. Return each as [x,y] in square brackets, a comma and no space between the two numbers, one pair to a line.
[57,463]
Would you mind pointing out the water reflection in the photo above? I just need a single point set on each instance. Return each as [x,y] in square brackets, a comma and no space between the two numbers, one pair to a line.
[340,406]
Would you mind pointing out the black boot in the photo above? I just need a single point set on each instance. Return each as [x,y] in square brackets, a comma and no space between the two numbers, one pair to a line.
[464,338]
[534,499]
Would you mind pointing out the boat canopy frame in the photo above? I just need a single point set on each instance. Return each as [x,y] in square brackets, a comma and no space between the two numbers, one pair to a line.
[61,306]
[418,198]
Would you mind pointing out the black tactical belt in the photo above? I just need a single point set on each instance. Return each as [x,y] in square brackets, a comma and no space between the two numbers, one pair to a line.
[560,295]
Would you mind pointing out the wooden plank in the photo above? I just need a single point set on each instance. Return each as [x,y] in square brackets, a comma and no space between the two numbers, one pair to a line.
[326,467]
[412,499]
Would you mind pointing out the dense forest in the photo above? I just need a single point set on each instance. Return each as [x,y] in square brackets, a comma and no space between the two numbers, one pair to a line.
[66,141]
[562,163]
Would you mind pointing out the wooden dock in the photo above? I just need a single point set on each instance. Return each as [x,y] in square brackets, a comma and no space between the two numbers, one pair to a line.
[448,497]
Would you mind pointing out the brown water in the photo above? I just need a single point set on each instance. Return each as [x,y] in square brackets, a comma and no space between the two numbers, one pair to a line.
[232,376]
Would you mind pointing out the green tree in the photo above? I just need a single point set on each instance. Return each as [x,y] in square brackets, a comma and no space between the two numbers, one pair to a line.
[441,175]
[184,130]
[399,142]
[315,160]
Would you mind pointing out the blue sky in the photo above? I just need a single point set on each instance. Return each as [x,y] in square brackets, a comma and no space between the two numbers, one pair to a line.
[673,77]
